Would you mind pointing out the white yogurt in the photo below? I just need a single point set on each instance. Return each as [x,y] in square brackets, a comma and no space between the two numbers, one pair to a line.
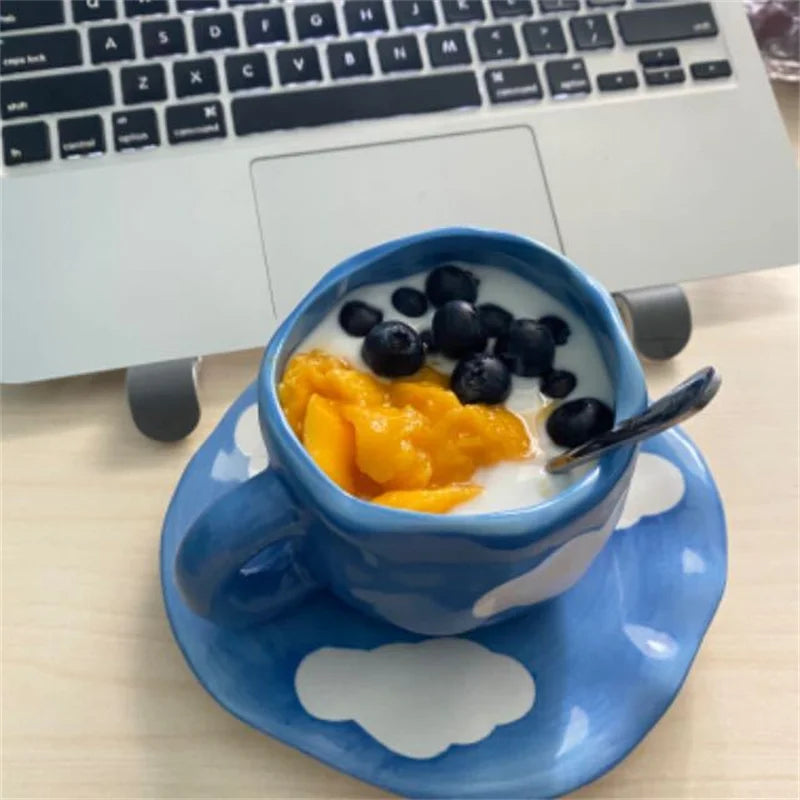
[513,484]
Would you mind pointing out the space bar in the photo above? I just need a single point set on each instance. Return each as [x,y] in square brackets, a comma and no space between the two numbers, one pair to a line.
[374,100]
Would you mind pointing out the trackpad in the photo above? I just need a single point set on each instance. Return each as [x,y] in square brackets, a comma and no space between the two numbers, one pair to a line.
[317,209]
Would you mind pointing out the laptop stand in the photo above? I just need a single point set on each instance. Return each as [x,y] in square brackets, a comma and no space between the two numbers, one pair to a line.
[163,398]
[658,320]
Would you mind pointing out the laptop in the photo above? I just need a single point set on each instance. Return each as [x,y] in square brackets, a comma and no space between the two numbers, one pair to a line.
[178,173]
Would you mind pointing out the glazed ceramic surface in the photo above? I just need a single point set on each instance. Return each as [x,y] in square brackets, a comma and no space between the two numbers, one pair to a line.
[532,707]
[293,530]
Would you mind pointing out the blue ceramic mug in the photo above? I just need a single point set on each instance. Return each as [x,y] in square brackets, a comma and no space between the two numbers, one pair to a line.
[290,530]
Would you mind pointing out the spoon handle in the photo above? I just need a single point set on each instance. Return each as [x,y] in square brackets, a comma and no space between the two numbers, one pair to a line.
[685,400]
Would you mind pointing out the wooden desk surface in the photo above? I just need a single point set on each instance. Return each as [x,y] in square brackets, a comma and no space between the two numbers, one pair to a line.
[97,701]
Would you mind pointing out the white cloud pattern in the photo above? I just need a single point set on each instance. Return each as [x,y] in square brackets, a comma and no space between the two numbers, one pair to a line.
[247,438]
[656,487]
[557,573]
[418,699]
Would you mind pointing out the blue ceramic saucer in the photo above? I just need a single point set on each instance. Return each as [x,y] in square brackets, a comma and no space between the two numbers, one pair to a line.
[533,707]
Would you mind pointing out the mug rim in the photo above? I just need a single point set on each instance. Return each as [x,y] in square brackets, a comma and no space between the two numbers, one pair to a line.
[348,512]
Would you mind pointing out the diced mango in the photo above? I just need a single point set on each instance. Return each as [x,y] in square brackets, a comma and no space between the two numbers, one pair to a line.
[304,375]
[365,487]
[429,399]
[432,501]
[351,386]
[330,442]
[407,443]
[429,375]
[384,448]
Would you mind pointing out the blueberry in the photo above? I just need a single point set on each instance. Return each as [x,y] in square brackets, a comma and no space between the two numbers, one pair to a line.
[427,341]
[451,283]
[393,349]
[527,348]
[458,330]
[557,327]
[558,383]
[358,318]
[408,301]
[481,379]
[577,421]
[496,320]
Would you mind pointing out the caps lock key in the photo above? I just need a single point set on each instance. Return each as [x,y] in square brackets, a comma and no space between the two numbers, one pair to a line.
[33,51]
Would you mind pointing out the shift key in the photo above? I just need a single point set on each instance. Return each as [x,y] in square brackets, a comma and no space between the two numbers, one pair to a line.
[667,24]
[75,91]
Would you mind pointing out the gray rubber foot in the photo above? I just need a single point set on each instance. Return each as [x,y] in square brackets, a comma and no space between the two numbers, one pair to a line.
[658,319]
[163,398]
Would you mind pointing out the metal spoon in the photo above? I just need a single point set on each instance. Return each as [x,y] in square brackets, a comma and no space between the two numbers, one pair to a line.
[684,401]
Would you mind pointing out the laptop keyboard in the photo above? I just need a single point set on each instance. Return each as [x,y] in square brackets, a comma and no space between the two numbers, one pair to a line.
[85,77]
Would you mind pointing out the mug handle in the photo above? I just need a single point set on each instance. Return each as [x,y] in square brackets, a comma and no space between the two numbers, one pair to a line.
[216,568]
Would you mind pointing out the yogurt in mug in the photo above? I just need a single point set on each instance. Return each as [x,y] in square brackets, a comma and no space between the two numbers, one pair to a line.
[427,307]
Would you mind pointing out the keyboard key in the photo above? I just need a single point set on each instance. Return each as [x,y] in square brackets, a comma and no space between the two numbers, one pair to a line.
[567,77]
[604,3]
[93,10]
[512,84]
[81,136]
[299,65]
[111,43]
[16,15]
[144,84]
[667,23]
[616,81]
[363,16]
[195,77]
[664,77]
[234,3]
[315,20]
[414,13]
[463,10]
[32,51]
[399,53]
[708,70]
[142,8]
[164,37]
[348,59]
[544,38]
[25,144]
[496,42]
[214,32]
[74,91]
[264,26]
[662,57]
[555,6]
[196,5]
[134,130]
[591,33]
[347,102]
[512,8]
[195,122]
[247,71]
[448,48]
